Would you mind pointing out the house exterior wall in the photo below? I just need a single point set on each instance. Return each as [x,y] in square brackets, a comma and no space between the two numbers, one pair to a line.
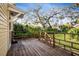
[6,25]
[4,29]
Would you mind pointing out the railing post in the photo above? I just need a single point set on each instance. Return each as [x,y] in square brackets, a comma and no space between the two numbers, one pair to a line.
[71,48]
[71,44]
[78,36]
[53,39]
[64,39]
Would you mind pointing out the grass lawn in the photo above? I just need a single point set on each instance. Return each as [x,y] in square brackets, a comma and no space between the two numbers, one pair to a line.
[67,38]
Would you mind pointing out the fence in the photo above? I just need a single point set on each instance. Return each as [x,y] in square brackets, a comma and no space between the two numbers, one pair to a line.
[70,45]
[53,40]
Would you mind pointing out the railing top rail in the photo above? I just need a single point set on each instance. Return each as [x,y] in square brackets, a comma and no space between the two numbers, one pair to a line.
[69,41]
[50,32]
[62,33]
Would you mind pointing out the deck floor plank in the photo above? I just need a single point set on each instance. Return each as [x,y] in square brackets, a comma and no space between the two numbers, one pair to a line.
[34,47]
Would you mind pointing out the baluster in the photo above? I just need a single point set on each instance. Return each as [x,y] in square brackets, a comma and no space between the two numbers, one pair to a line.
[45,35]
[46,38]
[50,41]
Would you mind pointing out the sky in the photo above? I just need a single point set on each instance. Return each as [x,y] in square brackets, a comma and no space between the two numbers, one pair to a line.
[45,7]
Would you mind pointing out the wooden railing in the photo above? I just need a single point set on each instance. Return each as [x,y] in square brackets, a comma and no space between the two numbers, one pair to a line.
[22,35]
[53,41]
[47,39]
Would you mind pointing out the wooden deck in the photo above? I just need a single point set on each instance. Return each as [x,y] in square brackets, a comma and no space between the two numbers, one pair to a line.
[33,47]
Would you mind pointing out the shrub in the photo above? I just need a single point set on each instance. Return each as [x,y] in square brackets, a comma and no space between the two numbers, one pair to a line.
[53,30]
[64,28]
[25,30]
[74,31]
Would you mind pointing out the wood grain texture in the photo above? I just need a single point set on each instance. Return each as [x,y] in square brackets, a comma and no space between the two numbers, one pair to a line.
[34,47]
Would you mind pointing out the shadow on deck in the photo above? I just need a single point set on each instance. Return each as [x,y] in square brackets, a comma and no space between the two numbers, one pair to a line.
[34,47]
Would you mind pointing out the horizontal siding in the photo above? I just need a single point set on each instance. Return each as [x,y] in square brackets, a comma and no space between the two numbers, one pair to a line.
[4,9]
[4,28]
[2,17]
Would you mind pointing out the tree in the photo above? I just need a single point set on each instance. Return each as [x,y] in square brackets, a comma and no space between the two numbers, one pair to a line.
[44,17]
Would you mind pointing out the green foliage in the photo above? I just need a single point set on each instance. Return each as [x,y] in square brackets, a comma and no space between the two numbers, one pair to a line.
[64,28]
[25,30]
[53,30]
[77,21]
[74,31]
[33,30]
[19,28]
